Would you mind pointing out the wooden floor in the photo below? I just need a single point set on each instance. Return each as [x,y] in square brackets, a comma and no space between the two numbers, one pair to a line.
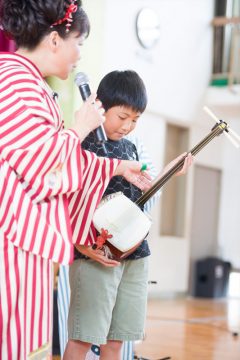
[191,329]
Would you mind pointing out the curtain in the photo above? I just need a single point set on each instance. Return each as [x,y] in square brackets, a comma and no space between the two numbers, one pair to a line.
[6,44]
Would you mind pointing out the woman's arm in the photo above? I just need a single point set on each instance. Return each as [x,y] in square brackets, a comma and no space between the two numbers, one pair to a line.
[43,155]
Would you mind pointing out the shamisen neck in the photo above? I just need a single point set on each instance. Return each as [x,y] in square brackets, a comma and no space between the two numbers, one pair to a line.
[216,130]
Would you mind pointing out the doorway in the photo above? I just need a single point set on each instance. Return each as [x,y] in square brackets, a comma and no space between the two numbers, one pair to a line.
[205,215]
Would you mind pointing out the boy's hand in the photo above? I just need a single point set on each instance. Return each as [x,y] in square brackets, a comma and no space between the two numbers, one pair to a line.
[187,163]
[97,255]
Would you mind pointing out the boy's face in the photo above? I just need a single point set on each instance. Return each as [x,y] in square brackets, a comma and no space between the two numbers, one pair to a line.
[120,121]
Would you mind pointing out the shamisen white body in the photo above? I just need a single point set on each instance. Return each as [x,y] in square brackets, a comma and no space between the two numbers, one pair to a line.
[123,219]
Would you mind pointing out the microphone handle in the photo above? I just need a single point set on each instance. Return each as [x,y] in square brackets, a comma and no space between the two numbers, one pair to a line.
[99,132]
[84,91]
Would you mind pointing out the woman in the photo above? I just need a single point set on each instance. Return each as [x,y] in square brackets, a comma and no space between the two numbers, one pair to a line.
[49,186]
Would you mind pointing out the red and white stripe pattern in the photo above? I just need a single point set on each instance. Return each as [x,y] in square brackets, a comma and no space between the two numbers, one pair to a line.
[40,161]
[42,207]
[26,302]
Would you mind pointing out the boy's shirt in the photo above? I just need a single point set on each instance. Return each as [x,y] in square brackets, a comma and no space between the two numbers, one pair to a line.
[124,150]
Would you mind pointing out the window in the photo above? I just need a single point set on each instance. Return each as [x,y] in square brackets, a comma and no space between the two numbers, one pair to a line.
[226,47]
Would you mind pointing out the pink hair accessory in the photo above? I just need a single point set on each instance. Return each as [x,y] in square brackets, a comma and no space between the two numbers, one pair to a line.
[72,8]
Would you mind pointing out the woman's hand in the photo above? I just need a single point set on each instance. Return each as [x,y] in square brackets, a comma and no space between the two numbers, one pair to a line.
[88,117]
[131,171]
[97,255]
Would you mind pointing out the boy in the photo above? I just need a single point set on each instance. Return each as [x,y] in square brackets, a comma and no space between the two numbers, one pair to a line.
[63,276]
[108,298]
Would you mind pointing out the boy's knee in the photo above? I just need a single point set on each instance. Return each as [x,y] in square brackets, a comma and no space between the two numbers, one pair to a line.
[113,345]
[76,349]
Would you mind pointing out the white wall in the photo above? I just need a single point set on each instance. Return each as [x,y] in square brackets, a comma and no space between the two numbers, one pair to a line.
[176,73]
[229,227]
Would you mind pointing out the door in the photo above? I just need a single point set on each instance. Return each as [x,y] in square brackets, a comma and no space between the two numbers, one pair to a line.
[205,214]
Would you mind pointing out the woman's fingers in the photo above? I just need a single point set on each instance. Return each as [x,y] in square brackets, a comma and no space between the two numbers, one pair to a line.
[97,104]
[142,181]
[131,171]
[89,117]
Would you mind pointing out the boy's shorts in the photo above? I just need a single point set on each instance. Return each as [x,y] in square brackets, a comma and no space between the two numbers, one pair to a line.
[107,303]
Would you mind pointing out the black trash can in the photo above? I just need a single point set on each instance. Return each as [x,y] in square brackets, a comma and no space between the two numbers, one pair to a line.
[211,278]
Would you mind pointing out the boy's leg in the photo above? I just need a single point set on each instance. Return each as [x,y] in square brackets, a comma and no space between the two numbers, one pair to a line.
[112,350]
[93,295]
[76,350]
[129,312]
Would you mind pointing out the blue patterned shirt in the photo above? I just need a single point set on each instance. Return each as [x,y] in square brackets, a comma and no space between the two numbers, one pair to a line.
[125,150]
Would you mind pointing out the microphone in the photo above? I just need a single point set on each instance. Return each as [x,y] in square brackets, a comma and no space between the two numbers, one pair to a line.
[81,80]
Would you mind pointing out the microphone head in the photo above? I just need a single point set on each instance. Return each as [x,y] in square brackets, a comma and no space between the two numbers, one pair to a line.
[81,79]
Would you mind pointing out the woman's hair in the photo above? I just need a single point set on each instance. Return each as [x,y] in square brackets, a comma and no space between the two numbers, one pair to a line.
[122,88]
[28,21]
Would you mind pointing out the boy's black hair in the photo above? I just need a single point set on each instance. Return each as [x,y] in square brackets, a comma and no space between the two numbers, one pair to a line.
[122,88]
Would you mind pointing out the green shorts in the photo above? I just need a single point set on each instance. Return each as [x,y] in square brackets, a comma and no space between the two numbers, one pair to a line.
[107,303]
